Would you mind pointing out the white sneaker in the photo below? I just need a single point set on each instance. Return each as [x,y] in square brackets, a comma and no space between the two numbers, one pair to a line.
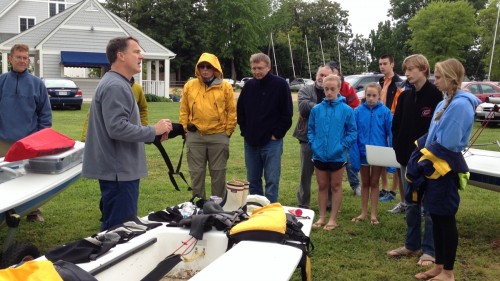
[357,191]
[399,208]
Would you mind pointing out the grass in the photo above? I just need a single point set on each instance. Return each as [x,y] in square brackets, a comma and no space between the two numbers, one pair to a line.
[351,252]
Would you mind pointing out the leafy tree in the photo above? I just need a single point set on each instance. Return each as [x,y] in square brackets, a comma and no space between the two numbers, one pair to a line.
[443,30]
[403,10]
[122,8]
[388,40]
[314,19]
[238,28]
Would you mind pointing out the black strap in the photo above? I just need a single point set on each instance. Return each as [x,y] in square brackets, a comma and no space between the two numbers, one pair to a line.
[171,171]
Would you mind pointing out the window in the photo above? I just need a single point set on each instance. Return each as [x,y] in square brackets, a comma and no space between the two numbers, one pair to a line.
[55,7]
[25,23]
[474,89]
[488,89]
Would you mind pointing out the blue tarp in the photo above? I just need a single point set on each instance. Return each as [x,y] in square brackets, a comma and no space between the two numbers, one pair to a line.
[83,59]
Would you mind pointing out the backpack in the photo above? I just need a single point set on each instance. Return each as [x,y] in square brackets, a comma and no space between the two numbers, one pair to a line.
[271,224]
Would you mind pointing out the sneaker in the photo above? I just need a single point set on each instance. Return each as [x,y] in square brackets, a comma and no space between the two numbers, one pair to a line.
[35,216]
[389,196]
[382,193]
[357,191]
[399,208]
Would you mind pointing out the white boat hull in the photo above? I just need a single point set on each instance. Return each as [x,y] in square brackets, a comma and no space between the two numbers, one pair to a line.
[484,165]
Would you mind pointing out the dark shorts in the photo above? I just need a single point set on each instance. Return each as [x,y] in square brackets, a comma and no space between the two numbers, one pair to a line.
[329,166]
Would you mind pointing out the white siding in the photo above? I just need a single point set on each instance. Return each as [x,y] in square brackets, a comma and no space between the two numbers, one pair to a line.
[52,65]
[81,40]
[87,18]
[39,10]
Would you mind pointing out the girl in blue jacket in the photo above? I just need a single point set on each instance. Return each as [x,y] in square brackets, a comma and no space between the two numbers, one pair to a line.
[449,134]
[374,121]
[331,131]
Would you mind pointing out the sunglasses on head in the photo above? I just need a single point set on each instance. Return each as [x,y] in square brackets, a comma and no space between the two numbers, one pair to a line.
[205,65]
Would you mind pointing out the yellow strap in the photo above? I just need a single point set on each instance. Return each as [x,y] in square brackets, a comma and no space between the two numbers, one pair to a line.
[441,166]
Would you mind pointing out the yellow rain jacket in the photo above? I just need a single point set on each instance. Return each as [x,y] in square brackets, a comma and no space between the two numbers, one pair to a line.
[210,108]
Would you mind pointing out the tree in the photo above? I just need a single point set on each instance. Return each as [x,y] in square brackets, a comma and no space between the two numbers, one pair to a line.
[443,30]
[389,40]
[239,27]
[314,19]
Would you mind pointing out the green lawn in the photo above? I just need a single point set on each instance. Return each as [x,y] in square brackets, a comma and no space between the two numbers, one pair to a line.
[351,252]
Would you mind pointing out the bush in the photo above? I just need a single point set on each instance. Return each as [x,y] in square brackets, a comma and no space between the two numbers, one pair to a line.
[153,98]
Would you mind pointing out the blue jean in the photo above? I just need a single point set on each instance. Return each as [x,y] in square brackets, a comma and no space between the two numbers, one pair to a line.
[414,237]
[119,201]
[265,160]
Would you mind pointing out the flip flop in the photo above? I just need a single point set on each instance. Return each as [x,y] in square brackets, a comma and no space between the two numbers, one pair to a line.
[426,260]
[374,221]
[318,225]
[330,227]
[424,276]
[358,219]
[402,252]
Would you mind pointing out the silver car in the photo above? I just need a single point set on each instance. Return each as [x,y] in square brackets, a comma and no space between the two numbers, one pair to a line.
[298,83]
[488,111]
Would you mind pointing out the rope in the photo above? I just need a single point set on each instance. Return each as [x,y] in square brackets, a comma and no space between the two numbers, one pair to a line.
[479,130]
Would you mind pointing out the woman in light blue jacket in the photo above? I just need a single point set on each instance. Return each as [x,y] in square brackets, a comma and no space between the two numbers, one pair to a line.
[331,132]
[448,136]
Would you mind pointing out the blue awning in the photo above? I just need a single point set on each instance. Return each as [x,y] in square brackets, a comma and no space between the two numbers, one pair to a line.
[83,59]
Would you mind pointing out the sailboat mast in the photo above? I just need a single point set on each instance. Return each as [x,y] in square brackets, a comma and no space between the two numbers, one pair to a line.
[493,47]
[274,55]
[291,55]
[308,61]
[322,54]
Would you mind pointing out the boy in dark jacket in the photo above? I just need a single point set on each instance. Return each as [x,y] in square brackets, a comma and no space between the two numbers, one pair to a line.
[414,110]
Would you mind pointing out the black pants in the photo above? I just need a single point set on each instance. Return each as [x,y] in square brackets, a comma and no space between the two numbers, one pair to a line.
[445,240]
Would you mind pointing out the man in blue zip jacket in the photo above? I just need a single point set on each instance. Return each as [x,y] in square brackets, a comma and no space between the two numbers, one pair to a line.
[24,105]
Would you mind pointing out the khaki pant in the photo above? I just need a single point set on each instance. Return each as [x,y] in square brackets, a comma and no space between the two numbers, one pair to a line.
[212,150]
[4,147]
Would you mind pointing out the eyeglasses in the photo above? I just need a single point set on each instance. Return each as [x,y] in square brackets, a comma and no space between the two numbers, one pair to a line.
[205,65]
[21,58]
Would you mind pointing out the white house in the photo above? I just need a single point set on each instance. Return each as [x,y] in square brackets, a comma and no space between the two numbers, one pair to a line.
[73,33]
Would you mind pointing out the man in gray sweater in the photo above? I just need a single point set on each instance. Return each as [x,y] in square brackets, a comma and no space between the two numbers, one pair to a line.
[114,148]
[309,96]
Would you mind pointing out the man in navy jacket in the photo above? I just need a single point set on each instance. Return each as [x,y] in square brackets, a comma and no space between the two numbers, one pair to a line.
[264,112]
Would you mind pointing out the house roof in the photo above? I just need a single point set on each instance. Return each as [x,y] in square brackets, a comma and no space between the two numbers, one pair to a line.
[6,5]
[80,16]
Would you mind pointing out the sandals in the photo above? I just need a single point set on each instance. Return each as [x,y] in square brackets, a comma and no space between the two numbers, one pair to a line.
[426,260]
[358,219]
[374,221]
[319,224]
[424,276]
[402,252]
[330,227]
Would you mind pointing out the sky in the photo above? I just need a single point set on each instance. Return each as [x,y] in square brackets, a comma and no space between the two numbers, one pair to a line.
[364,15]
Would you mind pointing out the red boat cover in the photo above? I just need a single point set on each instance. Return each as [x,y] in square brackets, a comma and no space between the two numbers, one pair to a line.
[42,143]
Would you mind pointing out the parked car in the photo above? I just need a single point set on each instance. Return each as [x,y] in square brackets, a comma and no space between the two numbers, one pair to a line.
[63,92]
[242,82]
[298,83]
[489,109]
[359,81]
[482,90]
